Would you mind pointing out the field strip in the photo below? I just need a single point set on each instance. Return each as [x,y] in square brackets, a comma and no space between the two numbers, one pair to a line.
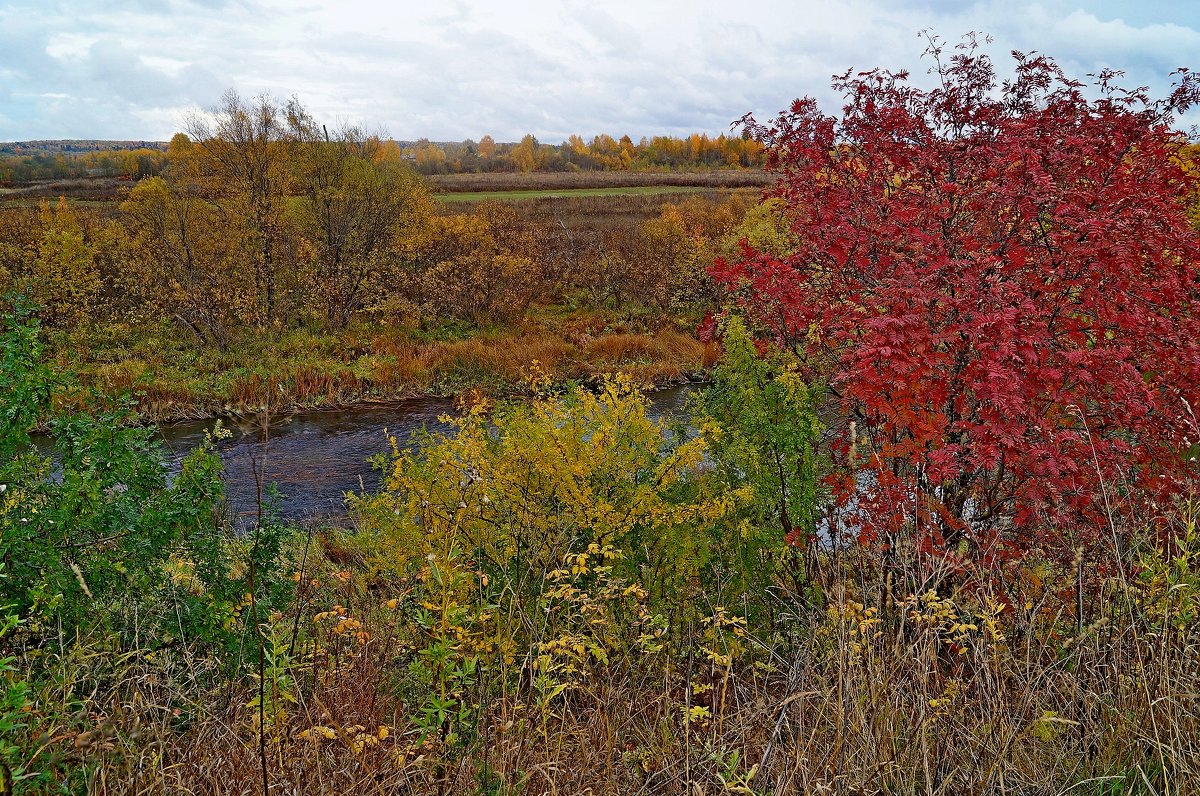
[557,193]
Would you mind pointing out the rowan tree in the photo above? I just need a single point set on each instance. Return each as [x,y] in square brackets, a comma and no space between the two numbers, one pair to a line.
[999,282]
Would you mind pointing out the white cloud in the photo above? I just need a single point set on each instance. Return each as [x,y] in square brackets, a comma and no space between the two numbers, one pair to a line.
[451,71]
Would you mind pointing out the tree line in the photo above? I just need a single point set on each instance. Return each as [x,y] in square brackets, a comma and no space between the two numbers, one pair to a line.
[601,153]
[128,163]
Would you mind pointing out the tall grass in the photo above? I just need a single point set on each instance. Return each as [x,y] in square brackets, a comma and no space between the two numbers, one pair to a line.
[313,371]
[468,638]
[847,699]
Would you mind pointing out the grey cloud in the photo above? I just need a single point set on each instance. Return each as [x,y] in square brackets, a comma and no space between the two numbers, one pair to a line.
[616,36]
[459,70]
[1162,46]
[168,8]
[122,73]
[23,42]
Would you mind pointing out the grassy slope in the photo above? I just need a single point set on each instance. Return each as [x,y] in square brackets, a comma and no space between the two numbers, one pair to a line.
[174,379]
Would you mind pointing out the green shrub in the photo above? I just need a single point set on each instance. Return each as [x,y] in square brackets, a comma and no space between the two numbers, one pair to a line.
[760,421]
[94,532]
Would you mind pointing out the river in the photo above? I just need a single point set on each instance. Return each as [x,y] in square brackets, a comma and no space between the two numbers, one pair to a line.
[315,458]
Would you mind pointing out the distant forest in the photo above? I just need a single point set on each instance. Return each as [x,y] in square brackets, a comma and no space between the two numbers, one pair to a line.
[24,162]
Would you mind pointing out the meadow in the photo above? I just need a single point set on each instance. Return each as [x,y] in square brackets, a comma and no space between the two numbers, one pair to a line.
[546,181]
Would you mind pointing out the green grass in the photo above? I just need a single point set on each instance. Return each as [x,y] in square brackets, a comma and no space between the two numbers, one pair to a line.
[558,193]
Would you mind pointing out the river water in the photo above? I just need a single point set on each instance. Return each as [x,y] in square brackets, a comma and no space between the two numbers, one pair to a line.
[315,458]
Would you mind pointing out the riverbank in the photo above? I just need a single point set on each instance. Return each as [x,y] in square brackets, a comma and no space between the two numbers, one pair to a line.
[173,379]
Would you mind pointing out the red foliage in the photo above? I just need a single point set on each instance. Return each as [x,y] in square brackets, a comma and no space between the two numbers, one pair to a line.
[1001,286]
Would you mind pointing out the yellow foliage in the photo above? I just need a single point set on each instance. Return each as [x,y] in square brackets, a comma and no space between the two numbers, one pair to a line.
[586,468]
[64,279]
[766,228]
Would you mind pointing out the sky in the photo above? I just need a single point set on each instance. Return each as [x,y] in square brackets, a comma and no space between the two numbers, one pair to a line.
[449,70]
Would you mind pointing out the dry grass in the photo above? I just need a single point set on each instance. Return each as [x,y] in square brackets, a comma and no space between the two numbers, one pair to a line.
[665,356]
[89,189]
[853,669]
[584,219]
[397,366]
[847,700]
[301,386]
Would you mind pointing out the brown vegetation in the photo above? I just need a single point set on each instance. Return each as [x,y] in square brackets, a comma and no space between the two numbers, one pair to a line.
[871,703]
[177,294]
[586,674]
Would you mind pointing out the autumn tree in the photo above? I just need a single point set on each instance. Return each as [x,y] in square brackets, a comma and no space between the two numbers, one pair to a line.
[479,267]
[1000,284]
[675,250]
[669,255]
[188,250]
[357,202]
[765,227]
[487,147]
[242,147]
[524,154]
[20,232]
[430,158]
[186,254]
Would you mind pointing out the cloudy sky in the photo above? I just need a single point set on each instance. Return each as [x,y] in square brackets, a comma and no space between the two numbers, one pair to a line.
[453,70]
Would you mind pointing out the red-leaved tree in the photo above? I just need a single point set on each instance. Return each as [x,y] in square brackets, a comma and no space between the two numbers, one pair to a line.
[1001,287]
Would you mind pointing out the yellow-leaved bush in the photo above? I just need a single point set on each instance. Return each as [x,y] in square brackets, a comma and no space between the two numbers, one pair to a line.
[540,539]
[545,480]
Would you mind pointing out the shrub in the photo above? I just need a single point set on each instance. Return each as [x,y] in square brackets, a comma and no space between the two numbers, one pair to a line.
[94,533]
[998,283]
[760,421]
